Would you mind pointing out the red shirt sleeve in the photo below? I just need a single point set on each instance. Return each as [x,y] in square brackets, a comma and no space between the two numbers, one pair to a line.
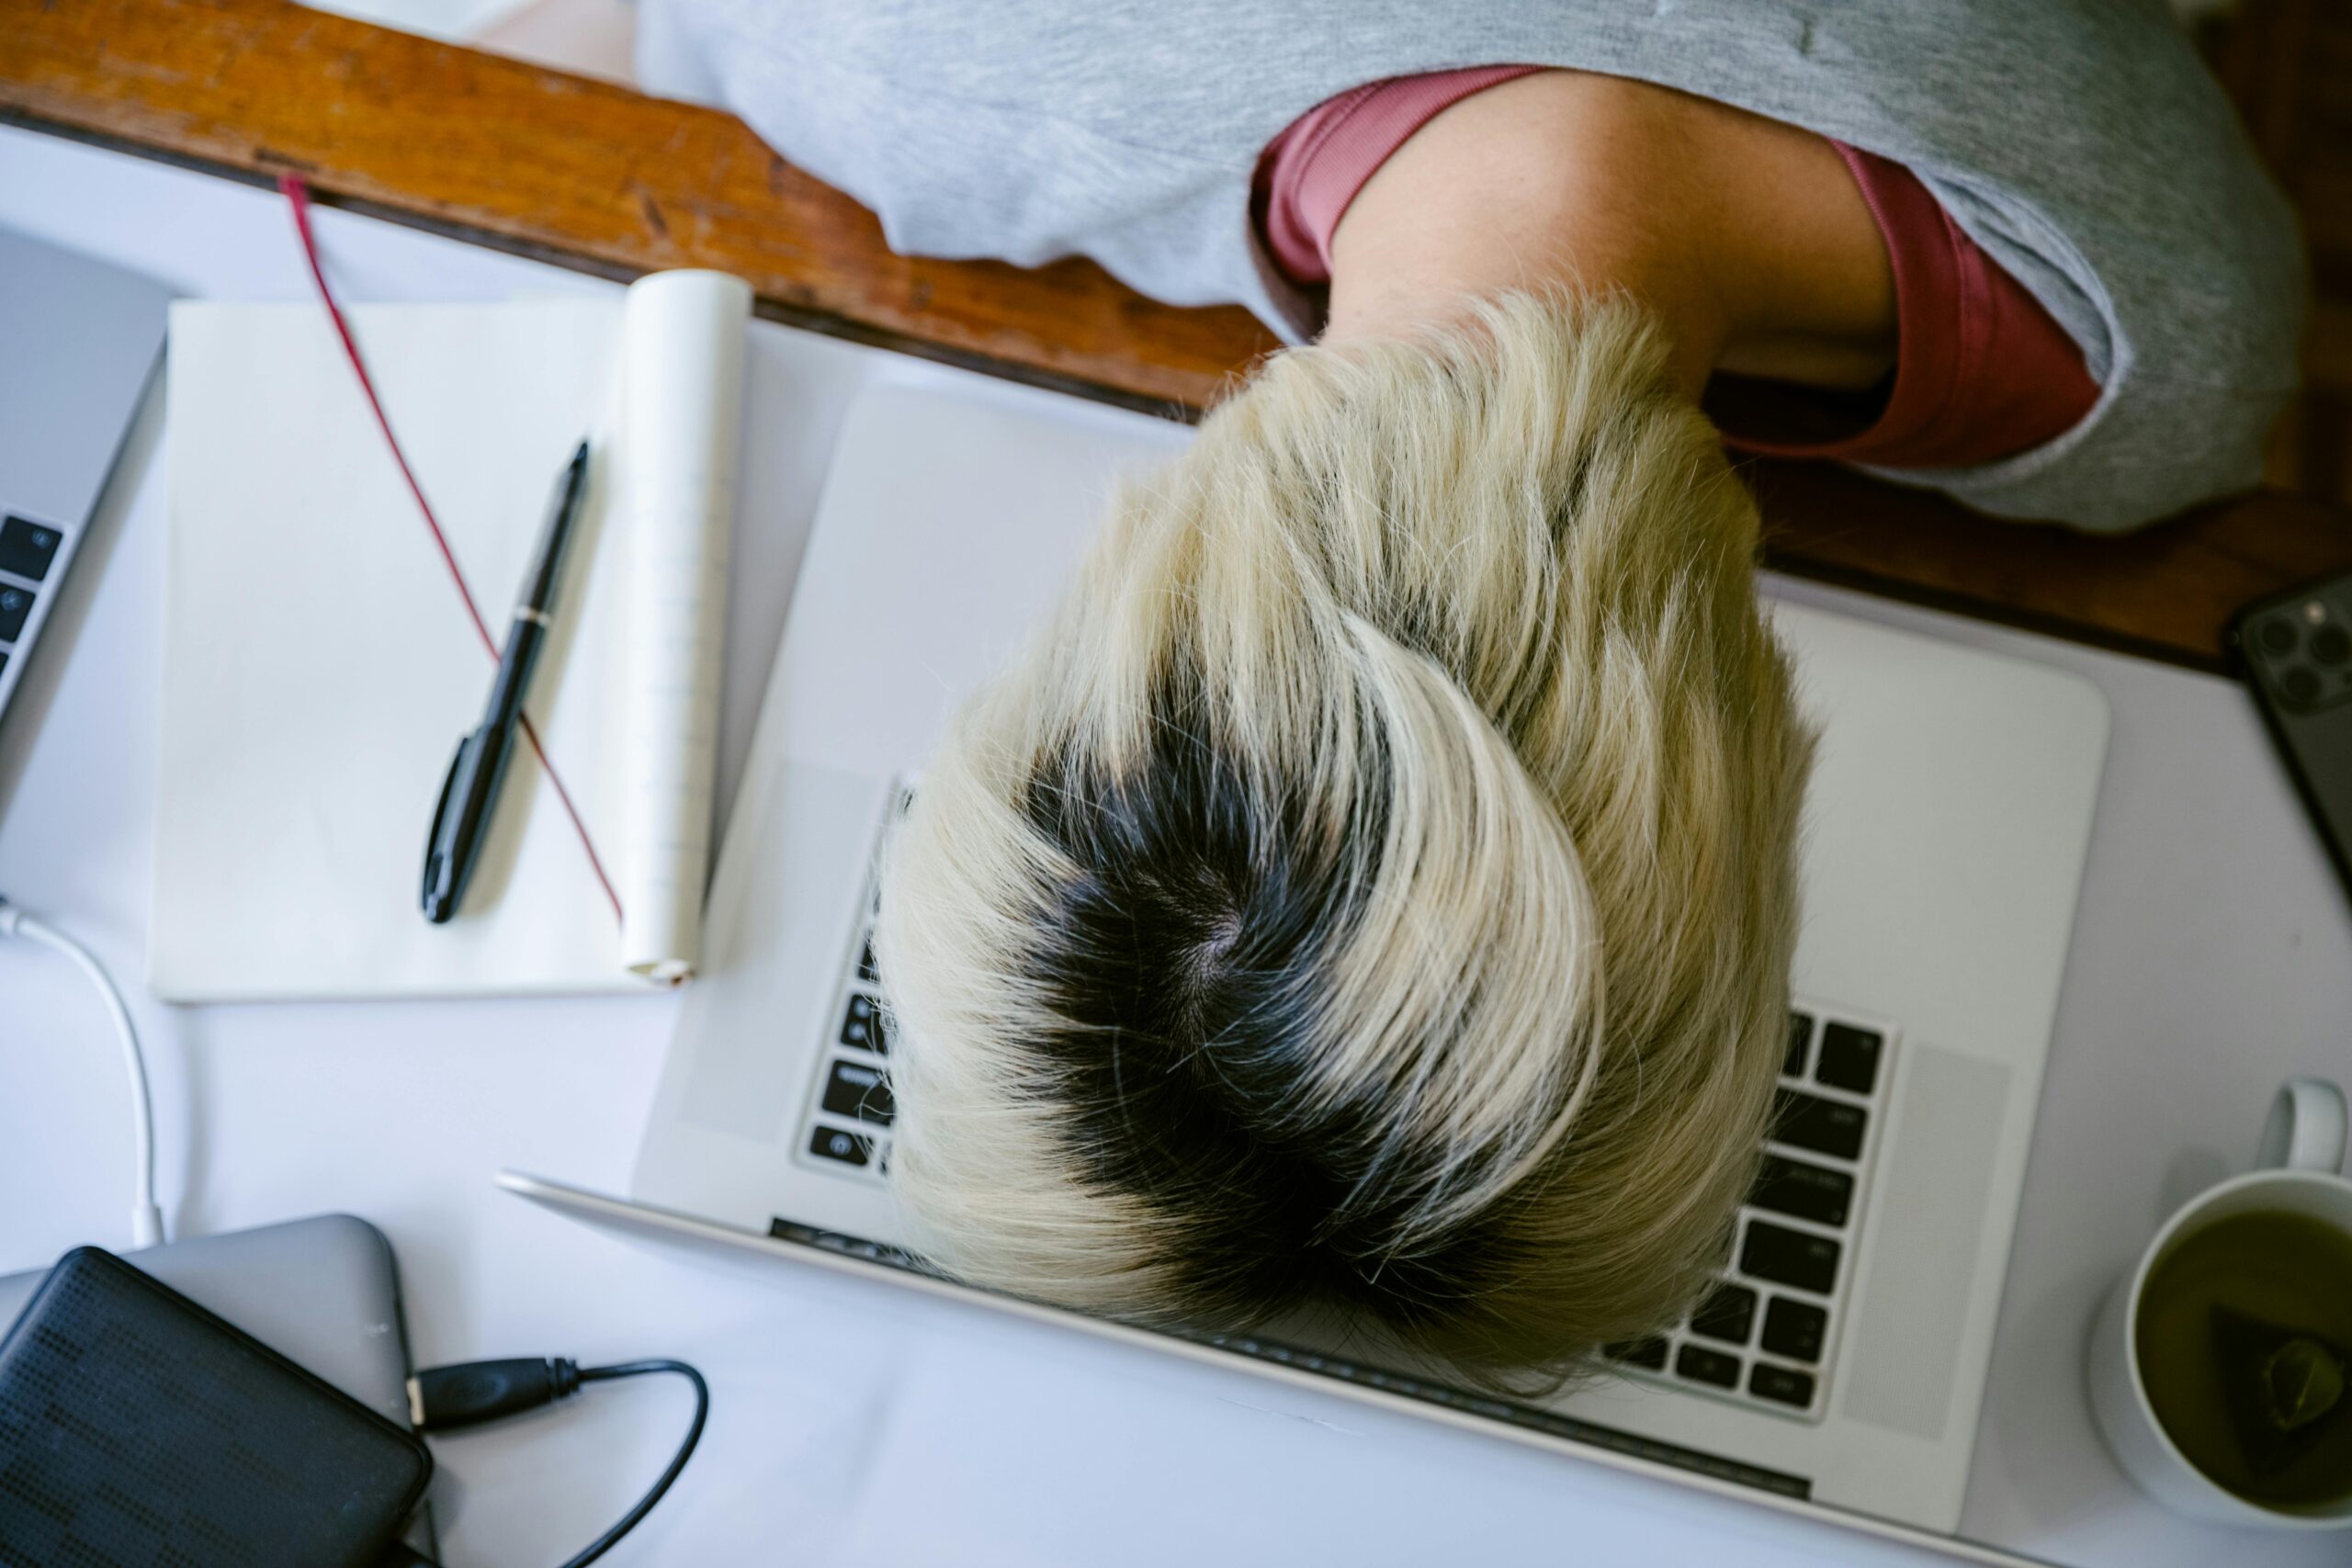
[1309,173]
[1981,370]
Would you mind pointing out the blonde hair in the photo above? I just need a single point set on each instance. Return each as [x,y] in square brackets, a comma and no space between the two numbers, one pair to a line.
[1374,889]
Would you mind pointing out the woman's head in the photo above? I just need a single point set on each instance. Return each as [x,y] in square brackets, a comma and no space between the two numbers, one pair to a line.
[1374,887]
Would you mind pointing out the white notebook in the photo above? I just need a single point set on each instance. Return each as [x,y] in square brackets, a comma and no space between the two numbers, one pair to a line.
[320,670]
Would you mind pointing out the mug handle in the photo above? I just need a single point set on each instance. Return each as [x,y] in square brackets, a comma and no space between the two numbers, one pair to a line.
[2306,1129]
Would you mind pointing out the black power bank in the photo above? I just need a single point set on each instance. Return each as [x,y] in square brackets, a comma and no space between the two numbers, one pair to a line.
[138,1430]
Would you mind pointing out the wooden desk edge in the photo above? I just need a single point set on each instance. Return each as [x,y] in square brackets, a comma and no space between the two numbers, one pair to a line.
[595,178]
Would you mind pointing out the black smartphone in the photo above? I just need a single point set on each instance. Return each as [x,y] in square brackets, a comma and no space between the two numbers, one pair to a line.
[2295,651]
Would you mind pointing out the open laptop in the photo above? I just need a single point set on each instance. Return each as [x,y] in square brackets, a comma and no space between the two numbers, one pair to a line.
[1841,1361]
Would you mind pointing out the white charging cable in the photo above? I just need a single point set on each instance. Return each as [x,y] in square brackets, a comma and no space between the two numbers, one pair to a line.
[146,1218]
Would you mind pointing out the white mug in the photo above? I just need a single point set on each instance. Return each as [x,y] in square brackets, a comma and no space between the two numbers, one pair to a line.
[2295,1172]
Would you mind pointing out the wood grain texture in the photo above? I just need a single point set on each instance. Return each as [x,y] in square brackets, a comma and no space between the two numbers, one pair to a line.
[2166,592]
[597,177]
[2288,64]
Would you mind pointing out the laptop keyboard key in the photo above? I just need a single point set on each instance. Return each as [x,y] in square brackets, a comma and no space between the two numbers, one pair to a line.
[1781,1385]
[1729,1314]
[1809,1191]
[1826,1126]
[1701,1365]
[866,969]
[848,1148]
[26,548]
[1650,1353]
[1800,1032]
[1794,1329]
[853,1088]
[862,1025]
[1789,1258]
[1849,1058]
[15,606]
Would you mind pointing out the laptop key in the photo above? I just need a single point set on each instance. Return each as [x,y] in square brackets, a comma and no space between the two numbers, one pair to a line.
[26,548]
[862,1025]
[853,1088]
[866,969]
[1781,1385]
[1826,1126]
[1809,1191]
[1729,1314]
[849,1149]
[1800,1032]
[1794,1329]
[1849,1058]
[1789,1258]
[1650,1352]
[1701,1365]
[16,607]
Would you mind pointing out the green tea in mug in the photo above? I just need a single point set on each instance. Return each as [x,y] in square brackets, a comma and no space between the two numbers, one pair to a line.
[2245,1347]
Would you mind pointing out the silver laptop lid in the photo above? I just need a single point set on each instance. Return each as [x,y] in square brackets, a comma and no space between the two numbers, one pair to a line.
[78,338]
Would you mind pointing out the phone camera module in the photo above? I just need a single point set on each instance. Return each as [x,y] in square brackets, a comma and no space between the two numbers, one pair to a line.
[2331,645]
[2301,684]
[2277,635]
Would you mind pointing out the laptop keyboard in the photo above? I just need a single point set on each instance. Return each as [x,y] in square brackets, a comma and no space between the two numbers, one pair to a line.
[28,549]
[849,1114]
[847,1131]
[1764,1337]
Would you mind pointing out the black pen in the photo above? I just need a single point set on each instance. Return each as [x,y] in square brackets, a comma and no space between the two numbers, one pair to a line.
[469,794]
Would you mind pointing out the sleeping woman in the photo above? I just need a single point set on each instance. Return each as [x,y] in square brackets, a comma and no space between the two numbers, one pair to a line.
[1375,887]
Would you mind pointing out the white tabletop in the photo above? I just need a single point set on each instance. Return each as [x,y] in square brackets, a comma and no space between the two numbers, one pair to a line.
[857,1423]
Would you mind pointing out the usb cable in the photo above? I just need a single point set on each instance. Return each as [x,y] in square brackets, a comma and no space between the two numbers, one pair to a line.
[440,1399]
[146,1218]
[451,1398]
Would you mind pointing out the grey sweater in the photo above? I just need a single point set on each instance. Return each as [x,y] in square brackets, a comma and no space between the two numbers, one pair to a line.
[2079,142]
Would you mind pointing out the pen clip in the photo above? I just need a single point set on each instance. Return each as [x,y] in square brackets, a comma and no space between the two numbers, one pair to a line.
[436,850]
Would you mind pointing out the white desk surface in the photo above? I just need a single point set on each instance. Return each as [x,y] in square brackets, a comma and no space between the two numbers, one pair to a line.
[859,1423]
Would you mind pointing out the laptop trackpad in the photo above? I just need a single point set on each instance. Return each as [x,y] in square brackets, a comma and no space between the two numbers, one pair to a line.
[1915,1303]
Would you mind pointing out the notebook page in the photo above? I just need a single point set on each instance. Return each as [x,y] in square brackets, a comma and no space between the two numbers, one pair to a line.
[320,668]
[681,412]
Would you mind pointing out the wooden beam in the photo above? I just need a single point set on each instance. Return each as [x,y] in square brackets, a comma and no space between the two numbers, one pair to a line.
[600,179]
[2166,592]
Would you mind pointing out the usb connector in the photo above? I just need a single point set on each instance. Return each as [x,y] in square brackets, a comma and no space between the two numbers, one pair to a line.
[443,1399]
[446,1399]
